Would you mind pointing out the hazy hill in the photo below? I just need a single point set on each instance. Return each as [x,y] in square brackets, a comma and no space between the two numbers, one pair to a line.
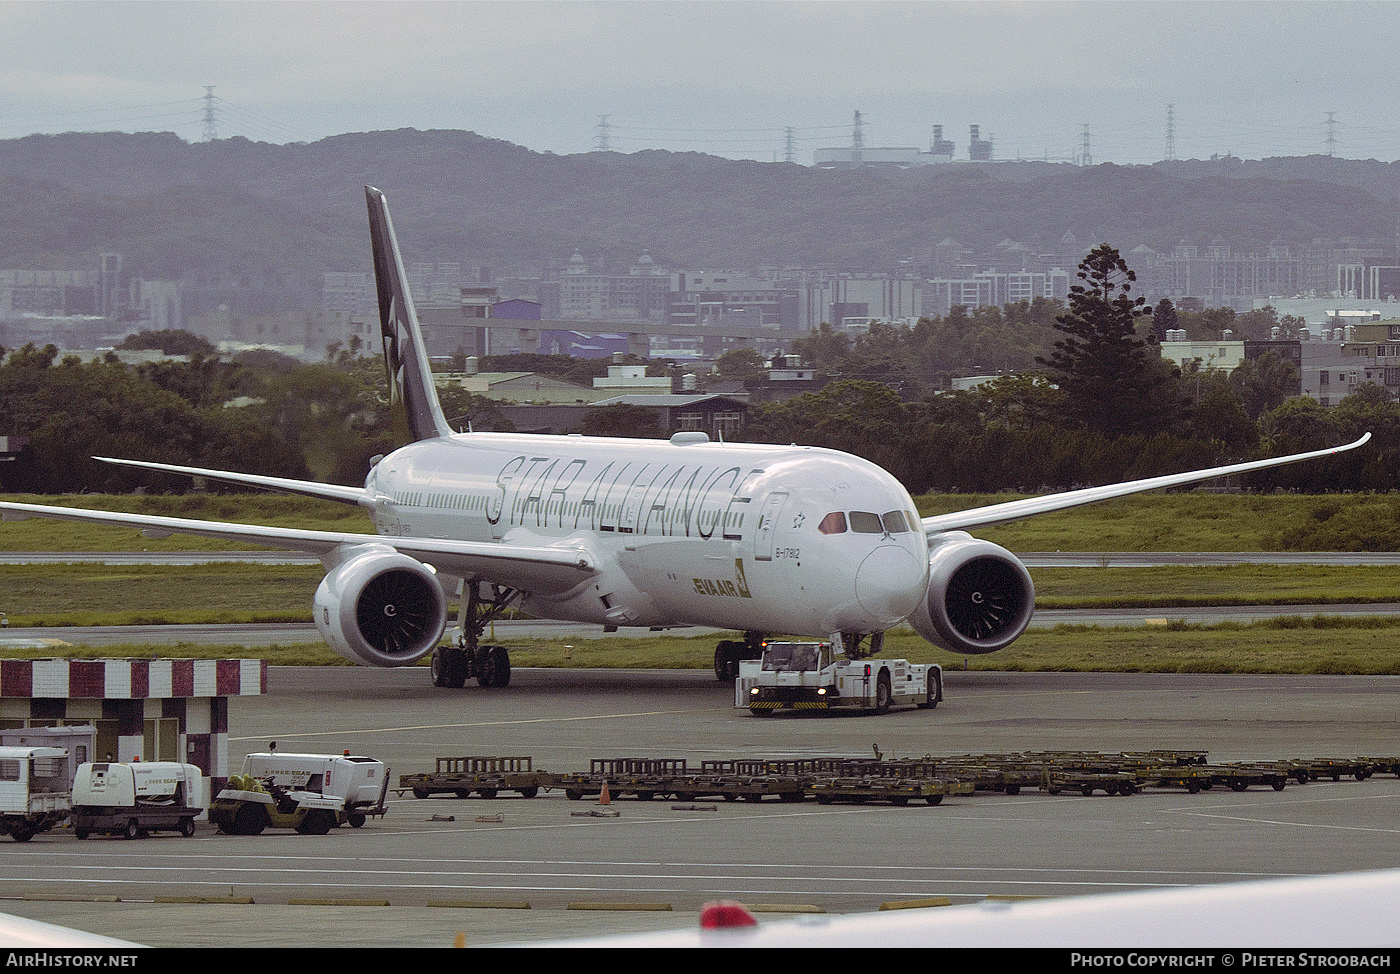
[290,211]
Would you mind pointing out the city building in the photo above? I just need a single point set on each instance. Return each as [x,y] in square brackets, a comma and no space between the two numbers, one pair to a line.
[642,294]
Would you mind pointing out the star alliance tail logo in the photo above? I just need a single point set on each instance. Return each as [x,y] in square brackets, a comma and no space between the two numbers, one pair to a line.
[393,357]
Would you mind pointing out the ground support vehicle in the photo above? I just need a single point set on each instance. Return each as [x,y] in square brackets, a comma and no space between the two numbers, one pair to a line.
[35,791]
[812,676]
[750,780]
[1008,781]
[1240,775]
[483,776]
[1011,773]
[751,788]
[899,781]
[1163,757]
[881,788]
[1336,768]
[1390,765]
[1087,782]
[642,778]
[311,793]
[135,799]
[1193,778]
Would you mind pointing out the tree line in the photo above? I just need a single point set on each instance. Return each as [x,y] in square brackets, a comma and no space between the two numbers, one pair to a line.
[1096,403]
[1088,400]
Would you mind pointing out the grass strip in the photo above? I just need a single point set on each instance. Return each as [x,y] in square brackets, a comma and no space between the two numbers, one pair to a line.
[1290,644]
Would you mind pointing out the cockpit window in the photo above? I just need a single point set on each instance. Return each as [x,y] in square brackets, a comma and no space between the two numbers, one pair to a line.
[833,523]
[895,522]
[864,522]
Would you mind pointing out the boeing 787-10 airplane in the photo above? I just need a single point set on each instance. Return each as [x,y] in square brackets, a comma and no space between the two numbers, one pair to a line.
[751,537]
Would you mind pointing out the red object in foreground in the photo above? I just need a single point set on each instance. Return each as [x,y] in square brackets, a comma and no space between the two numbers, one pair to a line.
[719,916]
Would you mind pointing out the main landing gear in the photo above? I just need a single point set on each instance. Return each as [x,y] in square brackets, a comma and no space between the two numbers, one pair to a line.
[730,651]
[452,666]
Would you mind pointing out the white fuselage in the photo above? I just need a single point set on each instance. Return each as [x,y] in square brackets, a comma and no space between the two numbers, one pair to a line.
[793,540]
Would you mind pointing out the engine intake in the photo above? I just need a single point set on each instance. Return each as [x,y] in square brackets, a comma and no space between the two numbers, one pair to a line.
[980,596]
[381,608]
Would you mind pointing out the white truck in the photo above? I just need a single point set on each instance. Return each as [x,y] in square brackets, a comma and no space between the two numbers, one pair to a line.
[35,790]
[312,793]
[114,798]
[812,676]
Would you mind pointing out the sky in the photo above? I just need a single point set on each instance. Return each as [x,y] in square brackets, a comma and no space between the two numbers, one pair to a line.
[1122,81]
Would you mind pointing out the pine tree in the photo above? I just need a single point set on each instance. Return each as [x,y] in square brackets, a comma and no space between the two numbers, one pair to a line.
[1163,320]
[1114,382]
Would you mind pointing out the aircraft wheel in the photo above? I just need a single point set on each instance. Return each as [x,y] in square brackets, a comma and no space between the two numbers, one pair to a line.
[448,667]
[727,660]
[501,657]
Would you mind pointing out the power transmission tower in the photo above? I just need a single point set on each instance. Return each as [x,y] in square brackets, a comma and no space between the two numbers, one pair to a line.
[789,144]
[211,128]
[601,143]
[1171,132]
[1086,158]
[1331,133]
[857,140]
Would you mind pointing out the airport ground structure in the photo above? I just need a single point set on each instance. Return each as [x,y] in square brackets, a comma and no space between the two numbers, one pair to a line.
[135,709]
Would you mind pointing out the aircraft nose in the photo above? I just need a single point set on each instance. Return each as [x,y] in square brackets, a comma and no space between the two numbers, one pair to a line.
[889,585]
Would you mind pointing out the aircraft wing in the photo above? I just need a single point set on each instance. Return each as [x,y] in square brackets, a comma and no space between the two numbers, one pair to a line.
[542,569]
[26,934]
[1347,910]
[978,517]
[309,488]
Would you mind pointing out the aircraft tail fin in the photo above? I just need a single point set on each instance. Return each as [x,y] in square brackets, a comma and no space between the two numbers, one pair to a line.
[413,400]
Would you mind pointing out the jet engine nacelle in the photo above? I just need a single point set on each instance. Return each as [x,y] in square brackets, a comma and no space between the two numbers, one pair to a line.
[381,608]
[980,596]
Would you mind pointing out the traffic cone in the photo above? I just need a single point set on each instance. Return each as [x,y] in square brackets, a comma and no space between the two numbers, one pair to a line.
[603,798]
